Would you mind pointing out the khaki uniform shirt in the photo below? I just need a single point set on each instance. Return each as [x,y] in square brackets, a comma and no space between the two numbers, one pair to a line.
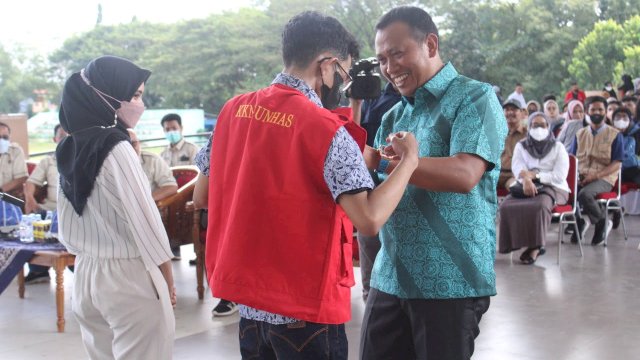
[507,155]
[157,171]
[182,153]
[46,173]
[12,165]
[509,145]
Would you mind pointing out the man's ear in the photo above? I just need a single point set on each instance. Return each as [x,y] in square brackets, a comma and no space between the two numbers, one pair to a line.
[432,43]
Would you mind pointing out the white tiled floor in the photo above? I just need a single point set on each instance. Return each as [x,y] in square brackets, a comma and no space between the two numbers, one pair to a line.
[587,308]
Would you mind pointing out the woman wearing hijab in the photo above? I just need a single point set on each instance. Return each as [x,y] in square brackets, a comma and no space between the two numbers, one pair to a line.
[538,158]
[552,111]
[533,106]
[123,291]
[575,121]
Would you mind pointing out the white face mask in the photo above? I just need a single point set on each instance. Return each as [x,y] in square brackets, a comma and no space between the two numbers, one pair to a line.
[621,124]
[4,145]
[539,134]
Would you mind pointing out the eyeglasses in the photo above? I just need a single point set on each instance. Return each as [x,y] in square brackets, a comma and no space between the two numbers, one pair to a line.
[346,84]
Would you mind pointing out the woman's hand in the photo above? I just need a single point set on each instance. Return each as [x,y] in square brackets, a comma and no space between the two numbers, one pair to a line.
[173,296]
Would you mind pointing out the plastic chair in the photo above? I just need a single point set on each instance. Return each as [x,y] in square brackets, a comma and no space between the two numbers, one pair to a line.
[611,201]
[567,213]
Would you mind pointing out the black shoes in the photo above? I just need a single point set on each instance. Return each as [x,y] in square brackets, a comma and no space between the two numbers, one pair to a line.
[224,308]
[526,257]
[582,228]
[616,219]
[599,234]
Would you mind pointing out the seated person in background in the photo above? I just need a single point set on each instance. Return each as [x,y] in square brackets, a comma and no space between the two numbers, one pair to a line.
[161,179]
[13,167]
[574,93]
[599,149]
[630,163]
[575,121]
[629,102]
[517,131]
[622,120]
[533,106]
[46,173]
[552,111]
[612,105]
[524,221]
[179,151]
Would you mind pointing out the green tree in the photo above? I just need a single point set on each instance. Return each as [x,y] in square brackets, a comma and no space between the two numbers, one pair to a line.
[607,52]
[18,82]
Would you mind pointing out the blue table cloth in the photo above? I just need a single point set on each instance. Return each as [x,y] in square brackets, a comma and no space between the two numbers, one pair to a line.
[14,254]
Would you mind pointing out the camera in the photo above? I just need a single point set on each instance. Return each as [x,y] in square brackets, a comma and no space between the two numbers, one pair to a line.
[366,80]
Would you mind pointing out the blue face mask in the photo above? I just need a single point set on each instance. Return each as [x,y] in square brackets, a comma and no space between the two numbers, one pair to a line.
[173,136]
[4,145]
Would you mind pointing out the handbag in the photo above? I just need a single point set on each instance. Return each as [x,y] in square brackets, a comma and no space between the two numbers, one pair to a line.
[517,189]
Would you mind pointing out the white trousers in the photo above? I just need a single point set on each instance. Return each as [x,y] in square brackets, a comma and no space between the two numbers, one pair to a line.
[119,306]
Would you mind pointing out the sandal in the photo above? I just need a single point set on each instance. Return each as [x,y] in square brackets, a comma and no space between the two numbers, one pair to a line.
[525,255]
[528,260]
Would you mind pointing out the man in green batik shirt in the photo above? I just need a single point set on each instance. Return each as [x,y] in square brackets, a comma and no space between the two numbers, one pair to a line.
[434,274]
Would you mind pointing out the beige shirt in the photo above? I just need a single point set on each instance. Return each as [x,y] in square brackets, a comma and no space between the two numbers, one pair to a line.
[157,170]
[12,164]
[182,153]
[46,173]
[509,146]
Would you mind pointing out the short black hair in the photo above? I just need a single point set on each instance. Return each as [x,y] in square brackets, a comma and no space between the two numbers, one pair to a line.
[594,99]
[171,117]
[55,129]
[419,21]
[310,33]
[6,126]
[629,98]
[613,102]
[548,97]
[624,110]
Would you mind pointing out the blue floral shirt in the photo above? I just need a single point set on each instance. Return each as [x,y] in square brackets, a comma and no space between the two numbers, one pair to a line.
[441,245]
[344,172]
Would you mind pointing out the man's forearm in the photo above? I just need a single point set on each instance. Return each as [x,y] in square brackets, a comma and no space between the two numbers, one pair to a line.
[164,192]
[459,173]
[13,184]
[612,168]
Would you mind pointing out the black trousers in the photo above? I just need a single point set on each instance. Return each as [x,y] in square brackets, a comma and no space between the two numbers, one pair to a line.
[424,329]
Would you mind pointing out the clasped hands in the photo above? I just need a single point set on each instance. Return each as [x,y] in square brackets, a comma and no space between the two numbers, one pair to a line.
[401,145]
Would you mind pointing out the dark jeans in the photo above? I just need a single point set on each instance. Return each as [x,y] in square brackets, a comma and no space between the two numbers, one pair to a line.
[424,329]
[301,340]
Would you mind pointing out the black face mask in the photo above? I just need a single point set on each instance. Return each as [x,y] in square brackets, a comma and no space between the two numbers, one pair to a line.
[330,97]
[596,119]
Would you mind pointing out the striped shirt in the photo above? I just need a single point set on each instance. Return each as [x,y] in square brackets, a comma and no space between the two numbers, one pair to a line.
[120,220]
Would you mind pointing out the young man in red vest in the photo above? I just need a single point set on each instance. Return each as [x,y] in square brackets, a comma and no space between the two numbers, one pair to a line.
[286,177]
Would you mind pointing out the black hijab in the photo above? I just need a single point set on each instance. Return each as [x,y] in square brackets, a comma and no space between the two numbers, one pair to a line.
[91,123]
[538,149]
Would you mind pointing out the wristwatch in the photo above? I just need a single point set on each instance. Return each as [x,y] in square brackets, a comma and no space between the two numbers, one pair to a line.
[537,176]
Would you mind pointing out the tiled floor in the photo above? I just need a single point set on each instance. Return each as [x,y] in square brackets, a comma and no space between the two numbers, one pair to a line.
[586,308]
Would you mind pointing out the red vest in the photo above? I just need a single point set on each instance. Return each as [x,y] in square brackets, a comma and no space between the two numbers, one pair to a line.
[277,241]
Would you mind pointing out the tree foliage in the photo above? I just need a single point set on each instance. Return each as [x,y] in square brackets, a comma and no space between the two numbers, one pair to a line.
[607,52]
[201,63]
